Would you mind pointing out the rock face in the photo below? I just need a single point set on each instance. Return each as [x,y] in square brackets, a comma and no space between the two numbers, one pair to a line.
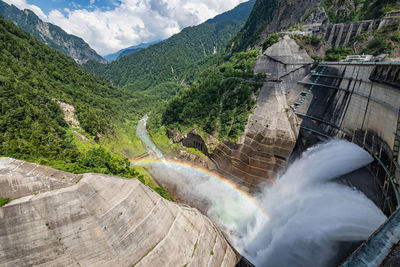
[52,35]
[100,221]
[271,130]
[269,16]
[317,17]
[69,113]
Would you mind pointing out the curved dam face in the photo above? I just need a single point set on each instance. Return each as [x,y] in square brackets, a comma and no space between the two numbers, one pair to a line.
[61,219]
[297,108]
[360,103]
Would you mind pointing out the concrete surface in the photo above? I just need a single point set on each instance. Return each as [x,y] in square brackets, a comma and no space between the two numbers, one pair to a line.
[101,221]
[19,178]
[271,132]
[381,249]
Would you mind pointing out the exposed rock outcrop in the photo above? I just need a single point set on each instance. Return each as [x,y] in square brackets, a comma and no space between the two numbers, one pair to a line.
[69,113]
[271,130]
[269,16]
[100,221]
[318,16]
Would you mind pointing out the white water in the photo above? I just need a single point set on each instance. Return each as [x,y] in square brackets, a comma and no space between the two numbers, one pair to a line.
[309,212]
[141,132]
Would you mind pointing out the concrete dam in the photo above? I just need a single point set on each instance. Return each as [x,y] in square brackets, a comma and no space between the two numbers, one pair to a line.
[298,108]
[57,218]
[358,102]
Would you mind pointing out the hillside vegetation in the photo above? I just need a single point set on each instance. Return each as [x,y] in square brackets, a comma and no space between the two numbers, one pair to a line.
[218,102]
[354,10]
[170,60]
[32,126]
[261,15]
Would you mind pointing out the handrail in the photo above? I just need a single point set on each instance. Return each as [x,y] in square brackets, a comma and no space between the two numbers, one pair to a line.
[361,63]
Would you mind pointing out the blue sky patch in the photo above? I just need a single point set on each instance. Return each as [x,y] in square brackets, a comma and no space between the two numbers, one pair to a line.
[61,5]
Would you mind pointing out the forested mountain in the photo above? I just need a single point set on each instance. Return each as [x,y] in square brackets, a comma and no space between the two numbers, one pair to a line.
[169,60]
[50,34]
[33,78]
[128,51]
[269,16]
[218,102]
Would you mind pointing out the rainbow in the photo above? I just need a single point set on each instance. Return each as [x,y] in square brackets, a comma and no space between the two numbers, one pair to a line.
[249,198]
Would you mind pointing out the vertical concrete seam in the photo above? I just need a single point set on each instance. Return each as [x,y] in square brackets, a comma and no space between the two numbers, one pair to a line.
[350,96]
[366,108]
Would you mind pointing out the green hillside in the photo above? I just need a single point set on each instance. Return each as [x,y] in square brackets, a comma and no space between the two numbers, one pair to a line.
[169,60]
[33,76]
[261,15]
[218,102]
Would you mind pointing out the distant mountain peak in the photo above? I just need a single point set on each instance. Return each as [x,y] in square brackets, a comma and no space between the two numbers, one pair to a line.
[129,50]
[50,34]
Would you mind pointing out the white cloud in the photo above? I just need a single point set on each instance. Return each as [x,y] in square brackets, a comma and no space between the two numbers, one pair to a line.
[22,4]
[131,22]
[134,21]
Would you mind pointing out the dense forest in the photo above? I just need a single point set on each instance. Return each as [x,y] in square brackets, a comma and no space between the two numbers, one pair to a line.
[218,102]
[32,126]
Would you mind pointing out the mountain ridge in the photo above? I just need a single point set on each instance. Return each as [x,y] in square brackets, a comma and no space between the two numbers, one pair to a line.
[50,34]
[168,60]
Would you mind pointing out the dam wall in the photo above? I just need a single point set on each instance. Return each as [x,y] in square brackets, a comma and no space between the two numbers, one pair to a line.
[360,103]
[268,141]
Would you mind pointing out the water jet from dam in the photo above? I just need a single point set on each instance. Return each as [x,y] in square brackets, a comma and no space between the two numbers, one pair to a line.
[311,214]
[301,220]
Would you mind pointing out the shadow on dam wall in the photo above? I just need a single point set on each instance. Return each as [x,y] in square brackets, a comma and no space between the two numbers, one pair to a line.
[359,103]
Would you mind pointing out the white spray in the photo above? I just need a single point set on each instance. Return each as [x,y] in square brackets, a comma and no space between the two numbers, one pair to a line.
[309,214]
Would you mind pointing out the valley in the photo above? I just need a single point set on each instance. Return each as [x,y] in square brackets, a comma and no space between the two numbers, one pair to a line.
[255,138]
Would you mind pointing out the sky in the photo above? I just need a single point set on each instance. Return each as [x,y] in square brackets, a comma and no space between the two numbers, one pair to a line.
[111,25]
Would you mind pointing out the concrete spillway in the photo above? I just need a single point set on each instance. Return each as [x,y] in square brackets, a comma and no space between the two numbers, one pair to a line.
[358,102]
[99,220]
[297,109]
